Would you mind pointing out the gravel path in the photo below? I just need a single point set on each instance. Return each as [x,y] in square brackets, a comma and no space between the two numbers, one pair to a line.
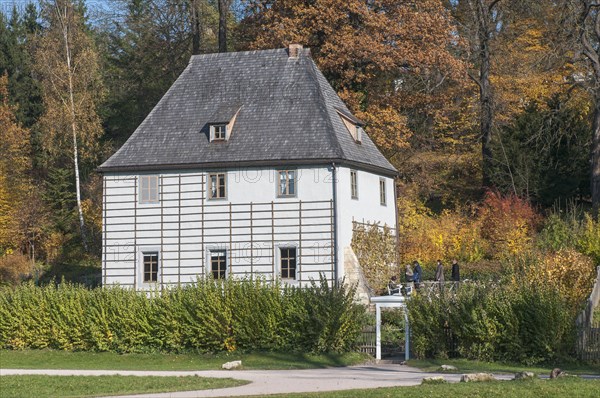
[265,382]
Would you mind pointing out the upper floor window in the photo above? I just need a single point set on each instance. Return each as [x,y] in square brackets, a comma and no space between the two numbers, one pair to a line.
[218,132]
[288,262]
[217,186]
[287,183]
[218,264]
[382,196]
[353,184]
[148,189]
[150,274]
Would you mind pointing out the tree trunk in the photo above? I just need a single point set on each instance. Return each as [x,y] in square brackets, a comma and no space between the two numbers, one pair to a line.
[195,14]
[596,157]
[486,118]
[64,18]
[223,13]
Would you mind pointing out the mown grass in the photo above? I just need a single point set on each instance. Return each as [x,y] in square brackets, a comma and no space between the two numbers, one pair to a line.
[466,366]
[94,386]
[50,359]
[564,387]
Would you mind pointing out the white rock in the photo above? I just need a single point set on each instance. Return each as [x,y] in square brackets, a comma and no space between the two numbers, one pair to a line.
[232,365]
[477,377]
[449,367]
[524,375]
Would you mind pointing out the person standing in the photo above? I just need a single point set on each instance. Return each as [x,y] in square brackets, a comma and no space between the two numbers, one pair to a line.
[439,275]
[417,274]
[410,278]
[455,271]
[439,272]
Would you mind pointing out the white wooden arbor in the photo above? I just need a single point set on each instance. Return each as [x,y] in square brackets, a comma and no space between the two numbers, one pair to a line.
[393,301]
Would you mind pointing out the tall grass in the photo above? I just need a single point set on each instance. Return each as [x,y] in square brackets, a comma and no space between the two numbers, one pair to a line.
[208,316]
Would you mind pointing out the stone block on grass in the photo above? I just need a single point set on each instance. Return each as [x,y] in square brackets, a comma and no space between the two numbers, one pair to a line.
[477,377]
[232,365]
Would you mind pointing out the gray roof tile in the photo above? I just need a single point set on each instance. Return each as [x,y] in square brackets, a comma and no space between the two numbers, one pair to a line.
[288,114]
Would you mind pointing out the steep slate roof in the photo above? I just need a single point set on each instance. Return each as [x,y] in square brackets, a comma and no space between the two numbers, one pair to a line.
[287,113]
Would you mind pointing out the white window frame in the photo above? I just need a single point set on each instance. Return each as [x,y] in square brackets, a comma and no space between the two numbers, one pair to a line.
[218,132]
[143,251]
[354,184]
[382,192]
[279,259]
[209,252]
[287,194]
[210,185]
[149,184]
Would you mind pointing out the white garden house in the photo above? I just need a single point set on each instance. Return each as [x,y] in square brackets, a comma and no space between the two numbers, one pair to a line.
[250,165]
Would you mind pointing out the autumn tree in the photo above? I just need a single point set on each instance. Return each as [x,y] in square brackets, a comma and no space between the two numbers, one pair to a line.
[374,53]
[68,65]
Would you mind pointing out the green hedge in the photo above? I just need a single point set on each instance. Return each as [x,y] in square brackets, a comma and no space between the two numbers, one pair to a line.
[208,316]
[524,323]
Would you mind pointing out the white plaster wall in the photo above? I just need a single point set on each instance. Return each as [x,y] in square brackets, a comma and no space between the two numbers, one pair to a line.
[367,208]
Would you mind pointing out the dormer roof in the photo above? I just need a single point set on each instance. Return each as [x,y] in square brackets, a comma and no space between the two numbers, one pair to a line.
[285,113]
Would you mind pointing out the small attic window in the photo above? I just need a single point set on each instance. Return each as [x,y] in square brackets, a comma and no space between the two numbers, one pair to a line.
[353,125]
[218,132]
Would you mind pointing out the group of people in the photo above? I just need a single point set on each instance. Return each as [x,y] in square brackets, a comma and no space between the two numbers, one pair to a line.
[414,275]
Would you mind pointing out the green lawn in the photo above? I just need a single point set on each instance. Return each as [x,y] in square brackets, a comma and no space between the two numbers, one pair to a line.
[565,387]
[49,359]
[94,386]
[466,366]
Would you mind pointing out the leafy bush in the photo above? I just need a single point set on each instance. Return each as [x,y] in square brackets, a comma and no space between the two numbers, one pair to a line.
[209,316]
[523,322]
[13,267]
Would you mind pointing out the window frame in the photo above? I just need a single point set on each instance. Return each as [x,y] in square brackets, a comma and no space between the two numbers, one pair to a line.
[210,185]
[143,252]
[146,184]
[281,258]
[287,185]
[382,192]
[210,271]
[354,184]
[222,130]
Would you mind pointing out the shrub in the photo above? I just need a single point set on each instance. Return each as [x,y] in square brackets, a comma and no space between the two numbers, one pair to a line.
[523,322]
[209,316]
[508,224]
[13,267]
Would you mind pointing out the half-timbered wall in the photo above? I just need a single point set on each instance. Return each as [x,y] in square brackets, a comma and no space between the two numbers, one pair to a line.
[251,224]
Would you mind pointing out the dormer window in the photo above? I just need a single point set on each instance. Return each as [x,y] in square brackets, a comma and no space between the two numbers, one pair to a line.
[218,132]
[354,125]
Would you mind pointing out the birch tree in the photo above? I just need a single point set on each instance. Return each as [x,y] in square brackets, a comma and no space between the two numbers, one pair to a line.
[68,65]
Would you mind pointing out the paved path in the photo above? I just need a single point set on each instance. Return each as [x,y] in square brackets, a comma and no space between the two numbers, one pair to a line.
[264,382]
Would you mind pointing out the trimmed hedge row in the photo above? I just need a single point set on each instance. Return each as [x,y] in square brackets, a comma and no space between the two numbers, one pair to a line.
[208,316]
[518,322]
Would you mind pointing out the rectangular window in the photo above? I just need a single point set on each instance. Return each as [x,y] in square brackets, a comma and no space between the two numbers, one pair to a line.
[148,189]
[218,132]
[353,184]
[218,264]
[150,267]
[382,198]
[288,262]
[287,183]
[217,186]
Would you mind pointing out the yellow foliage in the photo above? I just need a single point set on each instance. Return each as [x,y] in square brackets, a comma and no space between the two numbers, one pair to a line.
[568,271]
[13,267]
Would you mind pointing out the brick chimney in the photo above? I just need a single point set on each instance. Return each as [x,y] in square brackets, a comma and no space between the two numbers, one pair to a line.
[294,50]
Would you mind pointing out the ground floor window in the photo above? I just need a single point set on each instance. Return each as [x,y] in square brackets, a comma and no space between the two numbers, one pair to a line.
[150,274]
[218,263]
[288,262]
